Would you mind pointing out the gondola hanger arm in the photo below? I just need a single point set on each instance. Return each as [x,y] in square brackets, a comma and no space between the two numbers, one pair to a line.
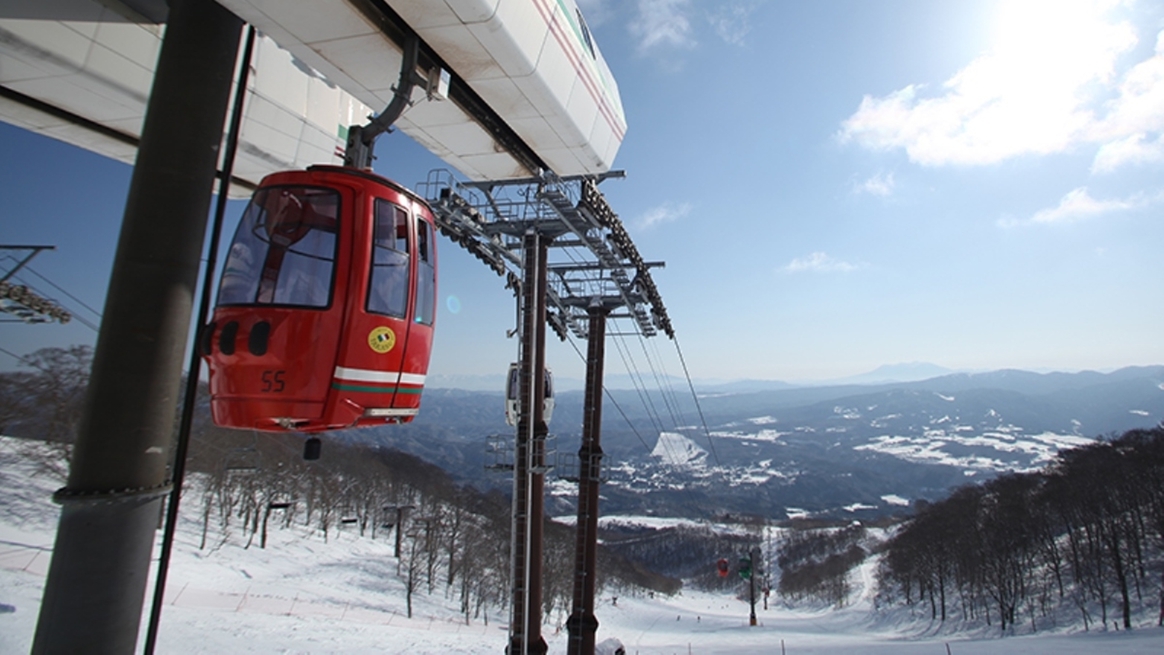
[362,138]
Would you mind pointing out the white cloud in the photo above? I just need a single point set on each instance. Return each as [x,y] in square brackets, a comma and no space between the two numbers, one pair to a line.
[665,213]
[732,22]
[878,185]
[663,23]
[1139,107]
[1133,117]
[819,262]
[1135,149]
[1039,91]
[1079,205]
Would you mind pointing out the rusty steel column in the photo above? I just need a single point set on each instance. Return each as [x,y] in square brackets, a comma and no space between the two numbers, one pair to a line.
[537,478]
[111,503]
[582,623]
[529,459]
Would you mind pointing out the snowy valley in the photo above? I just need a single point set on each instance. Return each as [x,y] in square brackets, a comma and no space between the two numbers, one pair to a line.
[305,592]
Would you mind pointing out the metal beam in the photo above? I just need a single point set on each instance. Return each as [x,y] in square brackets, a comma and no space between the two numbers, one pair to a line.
[489,219]
[36,250]
[593,266]
[525,181]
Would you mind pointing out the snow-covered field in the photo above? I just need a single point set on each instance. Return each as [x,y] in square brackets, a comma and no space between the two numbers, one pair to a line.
[300,595]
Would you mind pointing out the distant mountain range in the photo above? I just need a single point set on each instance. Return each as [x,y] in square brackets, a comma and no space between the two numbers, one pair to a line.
[907,372]
[846,450]
[885,374]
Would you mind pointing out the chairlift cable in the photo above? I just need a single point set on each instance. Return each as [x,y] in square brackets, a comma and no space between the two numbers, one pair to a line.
[645,398]
[73,315]
[87,323]
[610,397]
[638,380]
[686,490]
[640,387]
[671,402]
[671,409]
[694,397]
[59,288]
[83,321]
[669,388]
[19,358]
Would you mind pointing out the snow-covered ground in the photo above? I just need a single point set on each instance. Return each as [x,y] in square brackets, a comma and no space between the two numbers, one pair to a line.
[300,595]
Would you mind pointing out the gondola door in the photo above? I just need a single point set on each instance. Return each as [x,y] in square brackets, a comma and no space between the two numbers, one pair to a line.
[383,357]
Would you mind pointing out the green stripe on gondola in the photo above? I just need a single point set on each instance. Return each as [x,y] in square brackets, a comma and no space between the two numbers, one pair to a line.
[356,387]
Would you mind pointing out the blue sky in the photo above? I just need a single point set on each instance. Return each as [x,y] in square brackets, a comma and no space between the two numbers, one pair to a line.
[833,186]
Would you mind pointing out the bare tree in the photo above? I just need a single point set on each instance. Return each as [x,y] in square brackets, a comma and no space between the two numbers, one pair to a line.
[62,375]
[16,403]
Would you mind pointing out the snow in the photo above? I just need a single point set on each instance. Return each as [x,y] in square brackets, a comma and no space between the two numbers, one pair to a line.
[766,435]
[894,499]
[677,450]
[655,523]
[561,488]
[1139,412]
[303,596]
[1013,450]
[850,413]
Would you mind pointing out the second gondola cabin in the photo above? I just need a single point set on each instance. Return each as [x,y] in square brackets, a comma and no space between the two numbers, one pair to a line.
[513,394]
[326,305]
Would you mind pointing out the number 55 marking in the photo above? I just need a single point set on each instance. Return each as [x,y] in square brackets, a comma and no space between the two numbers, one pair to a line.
[273,381]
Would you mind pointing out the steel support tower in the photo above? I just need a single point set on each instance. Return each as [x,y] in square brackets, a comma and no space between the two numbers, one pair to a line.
[511,226]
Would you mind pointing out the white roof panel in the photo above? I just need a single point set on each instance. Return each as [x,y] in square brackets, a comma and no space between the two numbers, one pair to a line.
[93,63]
[524,58]
[332,68]
[303,19]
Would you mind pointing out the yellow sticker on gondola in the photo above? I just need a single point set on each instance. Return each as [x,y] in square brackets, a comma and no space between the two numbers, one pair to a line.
[382,339]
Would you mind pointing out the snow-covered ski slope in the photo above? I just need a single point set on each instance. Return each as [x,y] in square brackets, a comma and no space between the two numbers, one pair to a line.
[301,595]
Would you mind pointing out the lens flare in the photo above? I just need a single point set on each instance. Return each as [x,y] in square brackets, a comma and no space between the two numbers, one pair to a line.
[453,304]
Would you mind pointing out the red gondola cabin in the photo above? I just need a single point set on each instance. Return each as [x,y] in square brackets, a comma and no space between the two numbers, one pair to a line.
[326,305]
[721,567]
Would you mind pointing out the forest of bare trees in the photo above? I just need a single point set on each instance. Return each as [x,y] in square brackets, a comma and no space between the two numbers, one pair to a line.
[447,539]
[45,401]
[814,564]
[242,486]
[1082,540]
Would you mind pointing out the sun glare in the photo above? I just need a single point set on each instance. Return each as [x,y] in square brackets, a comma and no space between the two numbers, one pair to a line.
[1032,92]
[1059,43]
